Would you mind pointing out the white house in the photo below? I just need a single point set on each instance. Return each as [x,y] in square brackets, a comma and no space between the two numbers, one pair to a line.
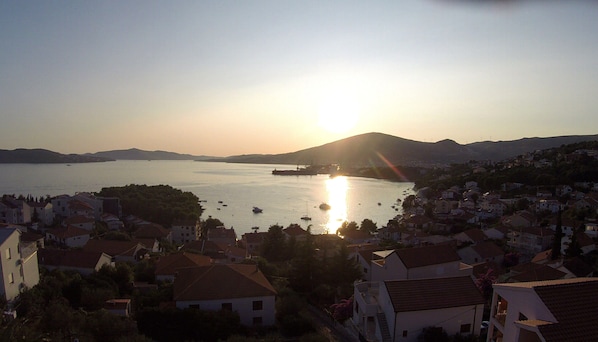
[236,287]
[185,231]
[418,263]
[553,310]
[399,310]
[69,236]
[73,260]
[19,270]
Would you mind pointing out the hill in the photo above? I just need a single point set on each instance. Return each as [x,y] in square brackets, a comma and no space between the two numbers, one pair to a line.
[42,156]
[137,154]
[378,149]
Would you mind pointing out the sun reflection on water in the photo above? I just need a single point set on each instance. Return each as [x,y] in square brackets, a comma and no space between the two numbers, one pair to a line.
[337,199]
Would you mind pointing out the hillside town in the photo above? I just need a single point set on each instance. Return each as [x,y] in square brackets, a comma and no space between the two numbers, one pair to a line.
[460,263]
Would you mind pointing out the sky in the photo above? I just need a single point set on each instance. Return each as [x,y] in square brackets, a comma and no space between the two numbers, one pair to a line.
[223,78]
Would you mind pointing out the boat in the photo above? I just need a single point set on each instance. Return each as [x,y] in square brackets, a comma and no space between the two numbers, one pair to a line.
[325,206]
[306,218]
[300,171]
[257,210]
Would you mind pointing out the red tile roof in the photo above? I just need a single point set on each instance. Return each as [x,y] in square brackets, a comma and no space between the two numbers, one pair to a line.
[294,230]
[113,247]
[169,264]
[430,294]
[221,282]
[68,232]
[476,235]
[151,230]
[574,304]
[428,255]
[487,249]
[68,258]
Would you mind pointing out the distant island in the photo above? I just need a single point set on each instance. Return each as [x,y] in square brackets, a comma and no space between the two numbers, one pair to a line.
[365,150]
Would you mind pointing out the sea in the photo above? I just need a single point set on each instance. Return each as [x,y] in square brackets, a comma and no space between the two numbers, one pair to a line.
[227,191]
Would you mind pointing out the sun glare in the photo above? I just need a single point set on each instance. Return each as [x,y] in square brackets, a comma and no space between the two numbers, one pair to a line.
[338,113]
[337,198]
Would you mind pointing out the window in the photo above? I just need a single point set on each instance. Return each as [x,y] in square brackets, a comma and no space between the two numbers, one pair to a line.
[465,328]
[8,254]
[404,333]
[194,306]
[257,321]
[11,278]
[227,306]
[522,317]
[258,305]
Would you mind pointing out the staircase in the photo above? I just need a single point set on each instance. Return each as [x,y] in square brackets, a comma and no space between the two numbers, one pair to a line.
[383,325]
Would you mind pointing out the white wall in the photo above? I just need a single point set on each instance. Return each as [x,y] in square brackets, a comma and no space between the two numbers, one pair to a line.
[244,306]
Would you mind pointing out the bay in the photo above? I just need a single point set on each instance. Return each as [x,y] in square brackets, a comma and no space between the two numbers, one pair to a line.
[228,191]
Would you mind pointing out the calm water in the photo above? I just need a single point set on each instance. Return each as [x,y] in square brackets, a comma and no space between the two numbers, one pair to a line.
[240,187]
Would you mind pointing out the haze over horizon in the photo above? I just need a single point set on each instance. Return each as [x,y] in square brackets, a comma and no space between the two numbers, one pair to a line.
[229,78]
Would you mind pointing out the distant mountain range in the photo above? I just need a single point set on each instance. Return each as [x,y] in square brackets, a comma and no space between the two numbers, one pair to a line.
[370,149]
[137,154]
[377,149]
[42,156]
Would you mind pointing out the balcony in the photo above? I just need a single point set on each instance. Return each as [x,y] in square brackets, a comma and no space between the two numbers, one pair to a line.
[368,297]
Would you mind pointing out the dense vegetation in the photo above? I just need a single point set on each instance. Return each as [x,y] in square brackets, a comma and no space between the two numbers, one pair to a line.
[161,204]
[561,168]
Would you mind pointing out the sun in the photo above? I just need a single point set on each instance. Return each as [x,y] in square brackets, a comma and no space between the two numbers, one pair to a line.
[338,113]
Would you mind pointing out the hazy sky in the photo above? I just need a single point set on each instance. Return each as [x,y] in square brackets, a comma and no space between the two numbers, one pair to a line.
[235,77]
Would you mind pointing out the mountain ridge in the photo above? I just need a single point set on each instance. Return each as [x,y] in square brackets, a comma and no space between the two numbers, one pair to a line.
[363,150]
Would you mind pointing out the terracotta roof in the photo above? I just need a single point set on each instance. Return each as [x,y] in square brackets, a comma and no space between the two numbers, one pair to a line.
[221,282]
[68,232]
[69,258]
[584,240]
[254,238]
[535,272]
[578,267]
[113,247]
[79,205]
[476,235]
[168,264]
[537,231]
[151,230]
[430,294]
[487,249]
[574,304]
[542,256]
[294,230]
[428,255]
[221,233]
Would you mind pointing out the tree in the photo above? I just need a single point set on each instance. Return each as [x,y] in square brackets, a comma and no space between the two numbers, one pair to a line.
[574,249]
[484,283]
[273,247]
[342,310]
[368,225]
[558,236]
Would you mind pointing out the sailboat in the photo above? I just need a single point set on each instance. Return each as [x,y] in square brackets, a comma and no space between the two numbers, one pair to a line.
[306,217]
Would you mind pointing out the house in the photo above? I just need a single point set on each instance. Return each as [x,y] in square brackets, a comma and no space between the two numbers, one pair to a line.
[152,231]
[119,307]
[83,222]
[80,208]
[18,267]
[522,218]
[495,206]
[362,254]
[237,287]
[550,205]
[253,242]
[151,244]
[42,212]
[95,203]
[474,235]
[357,237]
[112,221]
[79,261]
[185,231]
[221,253]
[399,310]
[482,252]
[496,233]
[418,222]
[222,235]
[556,310]
[417,263]
[295,231]
[166,267]
[532,272]
[11,210]
[69,236]
[530,240]
[127,251]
